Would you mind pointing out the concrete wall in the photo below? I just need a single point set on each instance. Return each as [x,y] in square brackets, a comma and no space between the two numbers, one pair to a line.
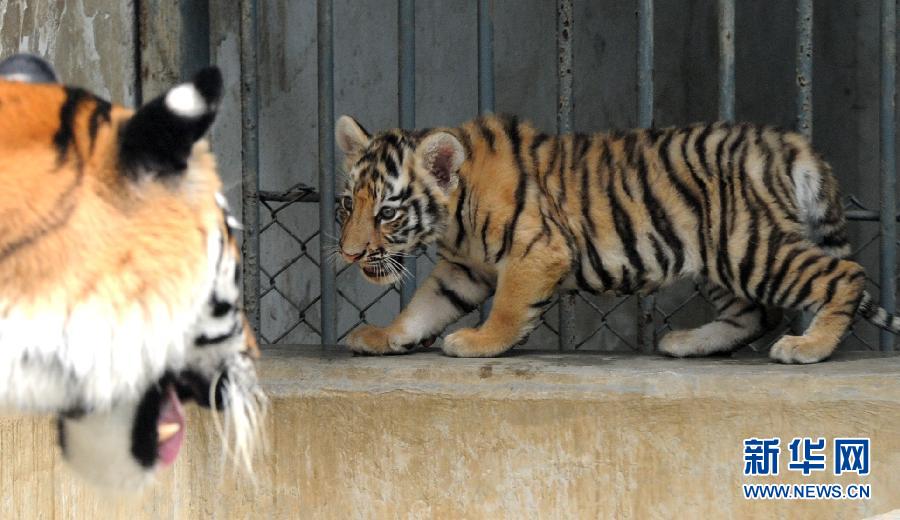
[533,436]
[90,42]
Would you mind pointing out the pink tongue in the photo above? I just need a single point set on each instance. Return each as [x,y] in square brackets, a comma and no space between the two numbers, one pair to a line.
[171,412]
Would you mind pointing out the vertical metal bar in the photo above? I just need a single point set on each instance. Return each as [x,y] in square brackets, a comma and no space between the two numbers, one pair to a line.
[646,326]
[250,161]
[564,125]
[804,73]
[804,67]
[726,60]
[407,103]
[325,36]
[485,56]
[195,43]
[888,245]
[485,82]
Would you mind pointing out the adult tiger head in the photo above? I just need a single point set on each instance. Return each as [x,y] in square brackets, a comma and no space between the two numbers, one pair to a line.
[119,273]
[396,194]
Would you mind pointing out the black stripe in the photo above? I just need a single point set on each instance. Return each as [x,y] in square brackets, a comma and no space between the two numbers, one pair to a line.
[532,243]
[702,212]
[832,287]
[700,149]
[661,257]
[470,274]
[486,133]
[734,323]
[799,275]
[512,130]
[624,228]
[66,132]
[220,307]
[101,113]
[454,298]
[203,340]
[460,202]
[541,304]
[748,262]
[659,218]
[767,289]
[484,230]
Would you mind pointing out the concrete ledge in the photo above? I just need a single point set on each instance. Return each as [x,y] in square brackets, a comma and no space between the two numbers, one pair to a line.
[589,435]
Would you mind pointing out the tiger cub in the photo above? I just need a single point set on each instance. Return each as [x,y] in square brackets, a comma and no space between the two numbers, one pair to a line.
[750,211]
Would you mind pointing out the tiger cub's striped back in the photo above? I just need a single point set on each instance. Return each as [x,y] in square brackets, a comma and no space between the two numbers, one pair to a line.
[752,211]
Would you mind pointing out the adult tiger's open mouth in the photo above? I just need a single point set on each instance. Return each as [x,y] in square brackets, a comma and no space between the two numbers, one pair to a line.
[170,427]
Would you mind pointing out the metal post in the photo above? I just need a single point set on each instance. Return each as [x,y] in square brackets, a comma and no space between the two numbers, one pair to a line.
[485,82]
[195,48]
[888,240]
[564,125]
[804,67]
[646,326]
[250,161]
[726,60]
[407,103]
[325,32]
[804,75]
[485,56]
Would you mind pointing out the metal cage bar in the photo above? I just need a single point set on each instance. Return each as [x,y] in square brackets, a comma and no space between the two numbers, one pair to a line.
[407,105]
[564,102]
[726,60]
[804,67]
[888,239]
[325,51]
[485,56]
[646,327]
[250,161]
[485,82]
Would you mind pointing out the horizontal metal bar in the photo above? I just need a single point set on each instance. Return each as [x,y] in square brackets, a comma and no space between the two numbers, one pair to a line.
[866,215]
[295,195]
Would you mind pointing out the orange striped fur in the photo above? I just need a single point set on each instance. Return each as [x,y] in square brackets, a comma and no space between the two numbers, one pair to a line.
[750,211]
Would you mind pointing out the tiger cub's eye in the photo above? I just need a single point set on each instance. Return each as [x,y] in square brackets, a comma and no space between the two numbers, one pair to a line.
[347,202]
[387,214]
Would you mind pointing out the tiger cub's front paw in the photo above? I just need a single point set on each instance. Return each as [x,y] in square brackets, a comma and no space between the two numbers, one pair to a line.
[368,339]
[474,343]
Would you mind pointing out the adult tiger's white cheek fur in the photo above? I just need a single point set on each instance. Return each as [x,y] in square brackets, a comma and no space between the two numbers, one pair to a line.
[98,446]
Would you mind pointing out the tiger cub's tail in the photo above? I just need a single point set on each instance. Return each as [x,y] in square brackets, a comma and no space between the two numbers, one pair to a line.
[877,315]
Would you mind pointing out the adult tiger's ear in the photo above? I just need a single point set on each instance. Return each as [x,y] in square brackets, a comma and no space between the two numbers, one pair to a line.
[442,154]
[27,68]
[158,138]
[351,137]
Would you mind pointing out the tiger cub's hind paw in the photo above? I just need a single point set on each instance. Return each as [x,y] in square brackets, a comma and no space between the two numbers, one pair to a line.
[801,349]
[473,343]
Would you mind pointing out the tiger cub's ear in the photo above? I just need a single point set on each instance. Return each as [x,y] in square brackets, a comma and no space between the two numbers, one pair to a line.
[158,138]
[442,154]
[351,137]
